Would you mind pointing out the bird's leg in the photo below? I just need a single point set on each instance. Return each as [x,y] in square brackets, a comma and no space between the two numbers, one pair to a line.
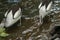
[20,19]
[41,20]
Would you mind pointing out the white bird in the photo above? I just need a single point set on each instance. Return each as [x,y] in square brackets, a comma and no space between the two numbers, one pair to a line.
[12,16]
[44,8]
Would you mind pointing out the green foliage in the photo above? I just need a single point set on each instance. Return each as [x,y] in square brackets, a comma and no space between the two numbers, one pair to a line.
[2,29]
[2,32]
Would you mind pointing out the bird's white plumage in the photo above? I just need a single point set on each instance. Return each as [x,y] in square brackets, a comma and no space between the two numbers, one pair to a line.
[17,14]
[43,11]
[9,20]
[49,6]
[6,13]
[40,5]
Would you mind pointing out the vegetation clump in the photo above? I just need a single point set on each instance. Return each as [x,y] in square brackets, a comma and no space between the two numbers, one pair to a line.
[3,32]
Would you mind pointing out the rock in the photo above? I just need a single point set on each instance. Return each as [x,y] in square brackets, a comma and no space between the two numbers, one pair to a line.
[10,39]
[57,39]
[26,31]
[43,37]
[30,38]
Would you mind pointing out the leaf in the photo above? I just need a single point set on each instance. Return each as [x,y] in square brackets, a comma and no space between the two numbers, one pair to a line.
[2,29]
[4,34]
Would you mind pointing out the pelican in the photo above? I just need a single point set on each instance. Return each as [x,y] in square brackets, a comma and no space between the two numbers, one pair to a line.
[44,8]
[11,16]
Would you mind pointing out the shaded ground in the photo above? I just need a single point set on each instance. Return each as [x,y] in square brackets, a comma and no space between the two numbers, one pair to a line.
[17,32]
